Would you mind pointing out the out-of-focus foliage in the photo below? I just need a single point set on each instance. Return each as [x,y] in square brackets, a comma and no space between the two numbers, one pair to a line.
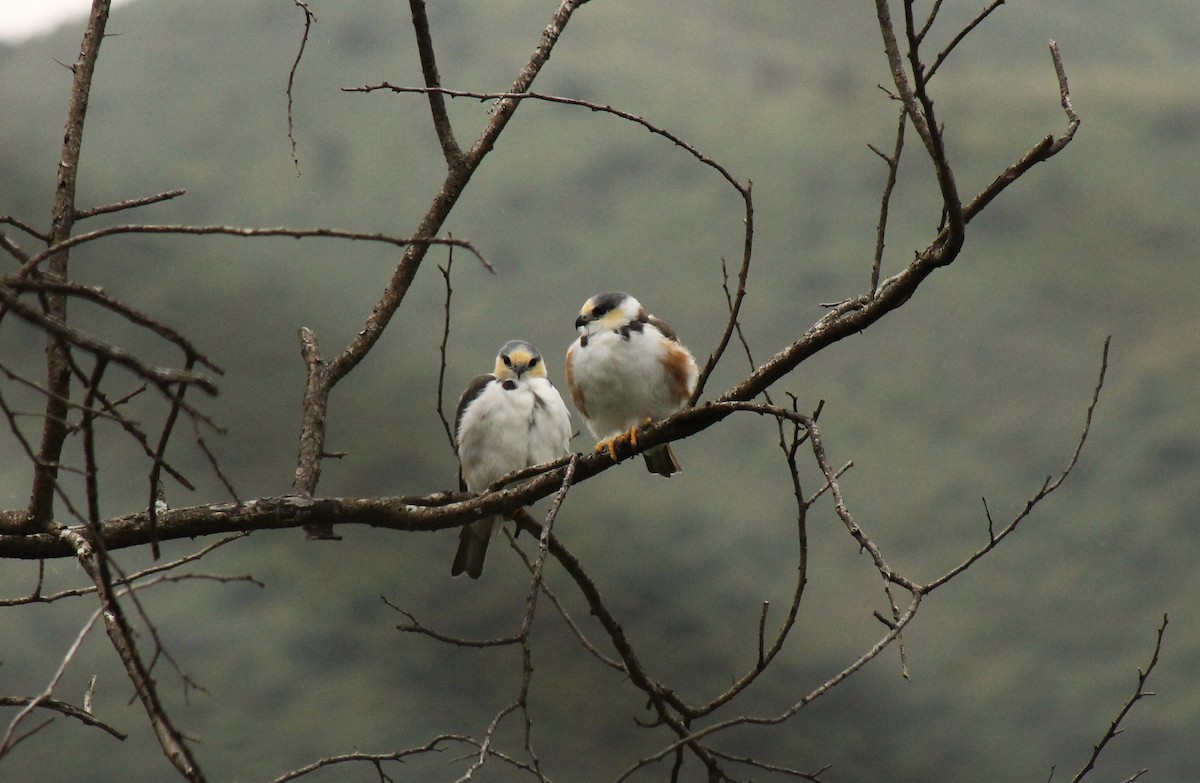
[975,388]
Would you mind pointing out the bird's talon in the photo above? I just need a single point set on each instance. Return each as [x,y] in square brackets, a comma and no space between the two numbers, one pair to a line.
[610,446]
[646,422]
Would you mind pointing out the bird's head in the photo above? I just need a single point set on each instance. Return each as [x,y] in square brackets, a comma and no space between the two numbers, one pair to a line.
[518,359]
[607,312]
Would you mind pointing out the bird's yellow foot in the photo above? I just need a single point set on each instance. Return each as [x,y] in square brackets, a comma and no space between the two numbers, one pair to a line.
[630,436]
[610,446]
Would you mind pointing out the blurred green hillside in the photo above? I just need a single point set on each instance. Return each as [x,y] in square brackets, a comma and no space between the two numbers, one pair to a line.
[976,388]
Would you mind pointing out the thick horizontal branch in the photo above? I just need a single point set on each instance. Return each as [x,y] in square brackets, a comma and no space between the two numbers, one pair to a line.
[418,513]
[422,513]
[446,510]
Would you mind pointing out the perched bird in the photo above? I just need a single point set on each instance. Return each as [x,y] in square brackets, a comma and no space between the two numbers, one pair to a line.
[626,369]
[510,419]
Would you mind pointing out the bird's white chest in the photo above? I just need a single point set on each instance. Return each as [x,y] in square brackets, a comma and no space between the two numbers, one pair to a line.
[623,380]
[504,430]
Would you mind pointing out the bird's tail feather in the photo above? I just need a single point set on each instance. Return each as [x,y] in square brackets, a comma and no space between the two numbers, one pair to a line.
[661,460]
[472,547]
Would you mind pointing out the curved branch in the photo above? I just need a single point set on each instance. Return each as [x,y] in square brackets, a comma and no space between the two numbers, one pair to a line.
[745,191]
[772,720]
[1045,149]
[67,335]
[236,231]
[70,710]
[412,513]
[1048,487]
[97,296]
[319,385]
[516,96]
[309,18]
[1139,693]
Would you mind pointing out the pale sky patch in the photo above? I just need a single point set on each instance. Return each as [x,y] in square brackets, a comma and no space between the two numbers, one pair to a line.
[22,19]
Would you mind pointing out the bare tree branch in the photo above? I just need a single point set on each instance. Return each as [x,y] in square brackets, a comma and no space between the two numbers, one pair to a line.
[963,33]
[686,730]
[81,714]
[893,165]
[98,296]
[431,747]
[322,377]
[236,231]
[1049,486]
[55,327]
[1047,148]
[437,104]
[133,203]
[10,738]
[177,751]
[309,18]
[1114,728]
[58,373]
[441,384]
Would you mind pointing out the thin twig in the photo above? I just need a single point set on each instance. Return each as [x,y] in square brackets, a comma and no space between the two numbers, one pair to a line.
[373,758]
[773,720]
[236,231]
[441,384]
[517,96]
[155,482]
[1115,727]
[82,714]
[929,20]
[10,740]
[55,327]
[415,626]
[583,639]
[963,33]
[893,165]
[98,296]
[133,203]
[25,227]
[735,304]
[309,18]
[1049,486]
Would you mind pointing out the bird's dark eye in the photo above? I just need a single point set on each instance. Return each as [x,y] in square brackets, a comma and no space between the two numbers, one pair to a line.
[599,312]
[533,362]
[507,361]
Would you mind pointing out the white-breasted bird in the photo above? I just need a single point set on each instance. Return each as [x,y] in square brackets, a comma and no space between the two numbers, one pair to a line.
[626,369]
[510,419]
